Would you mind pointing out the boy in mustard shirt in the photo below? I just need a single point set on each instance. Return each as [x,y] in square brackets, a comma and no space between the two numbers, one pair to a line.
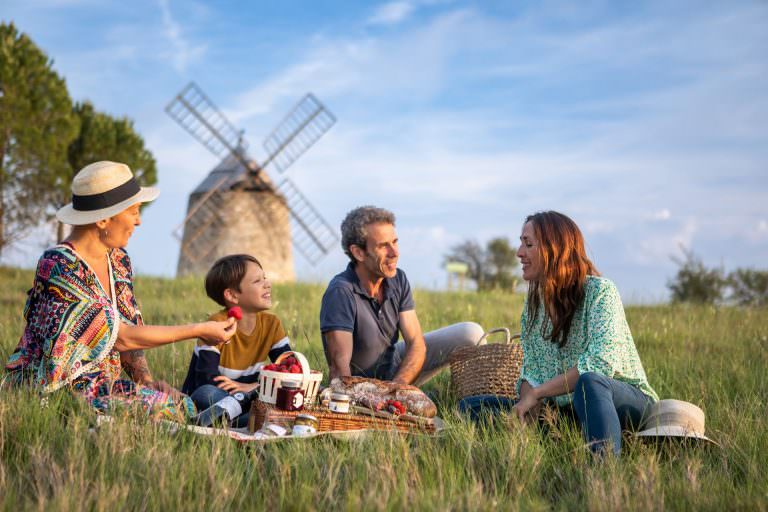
[215,372]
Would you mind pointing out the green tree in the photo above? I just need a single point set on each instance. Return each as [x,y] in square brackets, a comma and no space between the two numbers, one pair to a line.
[489,267]
[471,253]
[36,127]
[501,262]
[749,287]
[695,282]
[103,137]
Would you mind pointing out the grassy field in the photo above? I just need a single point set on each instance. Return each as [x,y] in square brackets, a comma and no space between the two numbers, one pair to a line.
[52,458]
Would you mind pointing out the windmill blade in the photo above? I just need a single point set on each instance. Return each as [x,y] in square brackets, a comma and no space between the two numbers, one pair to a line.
[300,129]
[178,232]
[194,243]
[313,236]
[197,114]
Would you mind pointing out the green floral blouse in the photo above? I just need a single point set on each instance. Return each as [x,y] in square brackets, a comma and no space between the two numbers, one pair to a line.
[599,341]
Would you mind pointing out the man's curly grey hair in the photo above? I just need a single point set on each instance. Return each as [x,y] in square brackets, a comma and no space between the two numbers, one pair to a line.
[353,228]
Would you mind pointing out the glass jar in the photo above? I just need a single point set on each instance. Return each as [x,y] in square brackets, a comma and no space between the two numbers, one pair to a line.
[304,425]
[339,403]
[290,396]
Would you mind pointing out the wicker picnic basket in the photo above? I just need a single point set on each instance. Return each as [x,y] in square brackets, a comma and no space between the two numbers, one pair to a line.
[491,369]
[262,413]
[308,379]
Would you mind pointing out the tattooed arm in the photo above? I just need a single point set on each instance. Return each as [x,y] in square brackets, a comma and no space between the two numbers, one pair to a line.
[135,365]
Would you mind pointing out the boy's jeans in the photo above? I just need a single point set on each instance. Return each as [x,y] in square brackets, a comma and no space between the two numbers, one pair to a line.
[208,394]
[603,406]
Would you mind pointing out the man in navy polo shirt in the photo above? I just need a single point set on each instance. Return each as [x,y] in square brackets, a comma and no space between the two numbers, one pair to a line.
[367,307]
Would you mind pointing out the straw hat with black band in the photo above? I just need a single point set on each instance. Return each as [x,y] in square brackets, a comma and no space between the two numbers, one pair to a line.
[101,190]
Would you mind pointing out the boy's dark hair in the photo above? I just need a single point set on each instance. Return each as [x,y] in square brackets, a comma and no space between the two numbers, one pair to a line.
[227,272]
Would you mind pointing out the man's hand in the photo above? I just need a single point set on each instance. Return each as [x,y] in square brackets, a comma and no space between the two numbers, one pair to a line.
[232,386]
[164,387]
[415,348]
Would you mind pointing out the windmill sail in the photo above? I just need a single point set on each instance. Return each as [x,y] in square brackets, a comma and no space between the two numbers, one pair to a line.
[197,114]
[314,236]
[300,129]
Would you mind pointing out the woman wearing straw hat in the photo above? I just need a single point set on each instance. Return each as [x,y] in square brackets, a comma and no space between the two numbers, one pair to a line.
[83,322]
[577,347]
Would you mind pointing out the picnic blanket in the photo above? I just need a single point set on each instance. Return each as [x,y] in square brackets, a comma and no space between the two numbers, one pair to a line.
[242,435]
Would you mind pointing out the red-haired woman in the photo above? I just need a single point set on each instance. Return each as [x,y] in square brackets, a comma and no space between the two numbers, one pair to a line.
[577,347]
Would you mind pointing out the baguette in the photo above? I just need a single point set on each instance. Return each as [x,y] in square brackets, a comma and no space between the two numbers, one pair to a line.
[374,393]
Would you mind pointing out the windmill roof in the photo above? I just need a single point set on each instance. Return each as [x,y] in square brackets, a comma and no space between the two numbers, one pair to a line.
[231,168]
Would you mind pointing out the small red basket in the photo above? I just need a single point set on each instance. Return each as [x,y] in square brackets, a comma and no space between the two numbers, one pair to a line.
[308,379]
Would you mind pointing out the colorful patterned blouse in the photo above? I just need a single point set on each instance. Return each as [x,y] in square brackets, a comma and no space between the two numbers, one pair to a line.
[599,341]
[72,326]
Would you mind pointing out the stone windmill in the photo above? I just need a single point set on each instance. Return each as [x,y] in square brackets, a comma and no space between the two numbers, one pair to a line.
[237,208]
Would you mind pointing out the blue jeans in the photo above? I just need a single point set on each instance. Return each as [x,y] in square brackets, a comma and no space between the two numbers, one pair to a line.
[604,407]
[479,407]
[208,394]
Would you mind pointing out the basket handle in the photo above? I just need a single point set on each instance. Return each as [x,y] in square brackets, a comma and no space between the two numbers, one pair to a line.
[507,336]
[302,362]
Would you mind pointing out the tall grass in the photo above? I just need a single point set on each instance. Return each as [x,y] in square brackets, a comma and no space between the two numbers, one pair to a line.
[55,456]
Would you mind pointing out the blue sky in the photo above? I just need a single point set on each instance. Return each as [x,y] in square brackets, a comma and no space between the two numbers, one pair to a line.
[643,121]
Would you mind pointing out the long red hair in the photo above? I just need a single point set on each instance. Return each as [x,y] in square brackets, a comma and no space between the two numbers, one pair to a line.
[565,267]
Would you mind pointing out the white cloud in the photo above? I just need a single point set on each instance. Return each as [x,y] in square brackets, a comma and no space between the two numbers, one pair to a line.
[757,232]
[655,247]
[184,52]
[647,131]
[391,13]
[410,65]
[598,226]
[663,214]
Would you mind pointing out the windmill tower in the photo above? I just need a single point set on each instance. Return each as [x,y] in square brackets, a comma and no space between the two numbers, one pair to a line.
[237,208]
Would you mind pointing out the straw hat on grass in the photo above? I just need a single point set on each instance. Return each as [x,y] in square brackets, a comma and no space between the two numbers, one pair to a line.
[674,419]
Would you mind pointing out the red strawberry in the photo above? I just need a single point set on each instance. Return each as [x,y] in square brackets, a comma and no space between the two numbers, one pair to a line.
[295,368]
[236,312]
[395,407]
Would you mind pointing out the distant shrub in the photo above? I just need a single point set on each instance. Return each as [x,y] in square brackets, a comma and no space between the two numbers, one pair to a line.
[749,287]
[696,283]
[490,267]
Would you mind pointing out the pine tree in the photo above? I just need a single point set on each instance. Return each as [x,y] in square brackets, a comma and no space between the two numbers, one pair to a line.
[103,137]
[36,128]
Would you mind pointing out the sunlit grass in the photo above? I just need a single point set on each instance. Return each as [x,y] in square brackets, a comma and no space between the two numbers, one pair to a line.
[53,457]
